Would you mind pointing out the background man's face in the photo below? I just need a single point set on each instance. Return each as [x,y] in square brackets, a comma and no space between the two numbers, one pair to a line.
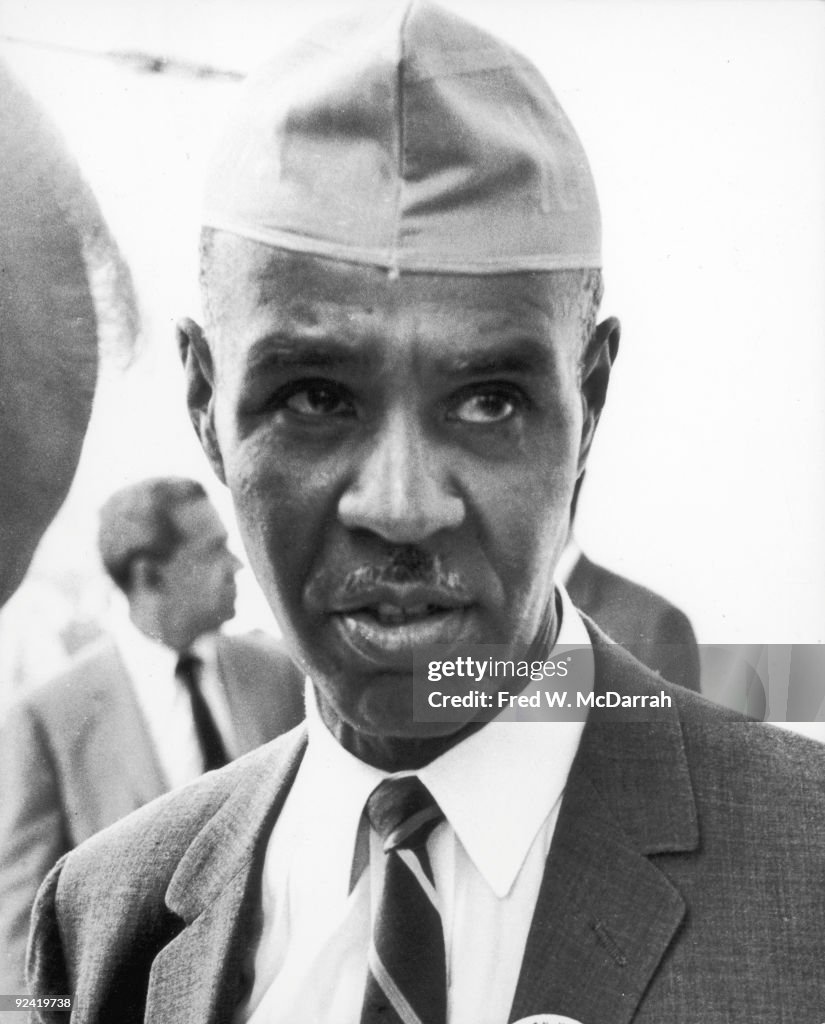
[199,578]
[402,456]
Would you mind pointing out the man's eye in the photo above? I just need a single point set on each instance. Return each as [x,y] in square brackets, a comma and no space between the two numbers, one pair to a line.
[485,407]
[318,400]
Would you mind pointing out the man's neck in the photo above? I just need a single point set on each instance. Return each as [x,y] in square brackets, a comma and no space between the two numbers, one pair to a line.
[151,623]
[568,559]
[392,753]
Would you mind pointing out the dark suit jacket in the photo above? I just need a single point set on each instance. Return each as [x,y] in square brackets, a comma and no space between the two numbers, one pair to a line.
[643,622]
[76,755]
[685,881]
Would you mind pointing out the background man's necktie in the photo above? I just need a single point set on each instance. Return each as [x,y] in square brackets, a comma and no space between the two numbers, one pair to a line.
[407,972]
[188,670]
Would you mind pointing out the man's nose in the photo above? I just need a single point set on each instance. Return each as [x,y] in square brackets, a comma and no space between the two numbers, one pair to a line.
[401,490]
[235,564]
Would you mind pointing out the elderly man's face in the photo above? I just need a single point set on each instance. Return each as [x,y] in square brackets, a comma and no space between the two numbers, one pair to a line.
[401,453]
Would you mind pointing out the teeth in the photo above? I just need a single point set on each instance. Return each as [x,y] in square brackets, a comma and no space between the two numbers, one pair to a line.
[393,614]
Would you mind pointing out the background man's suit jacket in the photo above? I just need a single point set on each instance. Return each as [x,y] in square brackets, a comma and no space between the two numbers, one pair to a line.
[76,756]
[684,882]
[643,622]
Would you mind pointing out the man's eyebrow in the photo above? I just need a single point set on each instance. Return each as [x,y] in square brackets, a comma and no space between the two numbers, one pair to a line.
[525,355]
[283,352]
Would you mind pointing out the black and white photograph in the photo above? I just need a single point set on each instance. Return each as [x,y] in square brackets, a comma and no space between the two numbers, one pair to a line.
[412,487]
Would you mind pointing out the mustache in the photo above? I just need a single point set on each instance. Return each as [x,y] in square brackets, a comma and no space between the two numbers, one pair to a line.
[403,564]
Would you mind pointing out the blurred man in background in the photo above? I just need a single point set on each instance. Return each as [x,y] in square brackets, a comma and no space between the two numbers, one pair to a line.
[148,709]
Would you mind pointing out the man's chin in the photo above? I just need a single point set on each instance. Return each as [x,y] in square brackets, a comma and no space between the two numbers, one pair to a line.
[398,745]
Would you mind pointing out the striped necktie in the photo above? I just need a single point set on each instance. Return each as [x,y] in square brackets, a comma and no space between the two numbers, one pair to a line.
[407,973]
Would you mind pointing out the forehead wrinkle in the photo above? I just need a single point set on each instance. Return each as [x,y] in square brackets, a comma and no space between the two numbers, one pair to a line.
[300,333]
[341,316]
[529,304]
[290,317]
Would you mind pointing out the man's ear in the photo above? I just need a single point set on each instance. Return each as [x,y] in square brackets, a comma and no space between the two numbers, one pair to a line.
[145,574]
[596,364]
[199,371]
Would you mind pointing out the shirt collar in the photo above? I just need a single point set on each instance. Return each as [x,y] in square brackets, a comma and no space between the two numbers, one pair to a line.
[336,785]
[496,787]
[148,658]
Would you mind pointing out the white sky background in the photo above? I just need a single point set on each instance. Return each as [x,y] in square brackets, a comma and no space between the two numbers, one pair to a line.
[704,121]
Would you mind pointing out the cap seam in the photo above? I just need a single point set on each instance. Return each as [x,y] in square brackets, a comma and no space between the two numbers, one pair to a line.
[402,144]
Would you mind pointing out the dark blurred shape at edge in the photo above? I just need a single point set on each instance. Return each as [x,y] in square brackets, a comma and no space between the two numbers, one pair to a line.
[65,292]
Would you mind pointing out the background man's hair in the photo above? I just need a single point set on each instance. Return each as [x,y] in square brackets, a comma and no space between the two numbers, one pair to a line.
[576,292]
[139,521]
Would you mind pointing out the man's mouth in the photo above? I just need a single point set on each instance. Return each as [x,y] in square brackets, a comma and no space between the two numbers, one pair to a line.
[392,622]
[388,614]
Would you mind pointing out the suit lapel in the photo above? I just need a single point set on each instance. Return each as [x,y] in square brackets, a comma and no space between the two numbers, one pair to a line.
[606,913]
[604,918]
[197,978]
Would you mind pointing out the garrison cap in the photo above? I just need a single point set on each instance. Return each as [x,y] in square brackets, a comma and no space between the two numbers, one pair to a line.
[407,138]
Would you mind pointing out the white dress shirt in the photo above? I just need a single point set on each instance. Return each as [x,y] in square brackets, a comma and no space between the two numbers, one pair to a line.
[164,700]
[500,791]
